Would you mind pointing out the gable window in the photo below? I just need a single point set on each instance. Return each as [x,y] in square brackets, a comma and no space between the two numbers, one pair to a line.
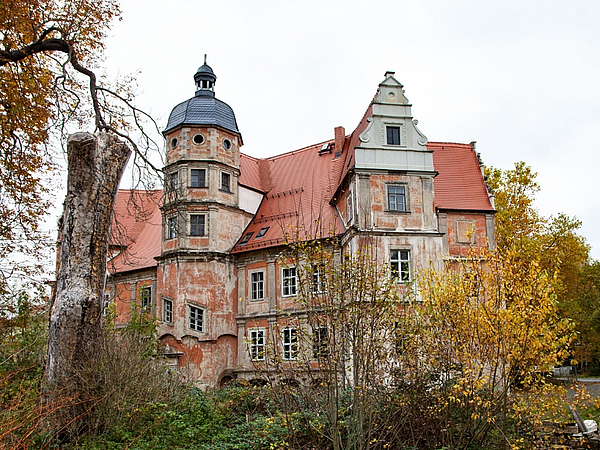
[197,225]
[167,311]
[146,298]
[400,264]
[198,178]
[246,238]
[196,318]
[256,345]
[262,232]
[225,182]
[290,344]
[393,135]
[288,281]
[257,285]
[172,227]
[319,281]
[174,181]
[320,342]
[397,198]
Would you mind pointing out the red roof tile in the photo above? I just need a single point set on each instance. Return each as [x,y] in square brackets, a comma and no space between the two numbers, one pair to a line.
[460,184]
[135,236]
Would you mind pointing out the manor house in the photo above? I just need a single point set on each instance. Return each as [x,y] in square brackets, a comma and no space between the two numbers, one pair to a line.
[205,256]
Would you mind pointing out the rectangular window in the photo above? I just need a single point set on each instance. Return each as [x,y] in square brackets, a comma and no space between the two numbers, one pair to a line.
[256,345]
[397,198]
[146,298]
[197,225]
[400,264]
[319,280]
[393,135]
[196,318]
[174,181]
[257,285]
[290,344]
[288,281]
[320,342]
[171,227]
[225,182]
[167,310]
[198,178]
[349,207]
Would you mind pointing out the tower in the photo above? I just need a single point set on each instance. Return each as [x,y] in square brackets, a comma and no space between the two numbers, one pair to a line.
[201,223]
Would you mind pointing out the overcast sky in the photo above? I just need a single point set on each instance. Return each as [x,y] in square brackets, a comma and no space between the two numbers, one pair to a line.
[519,77]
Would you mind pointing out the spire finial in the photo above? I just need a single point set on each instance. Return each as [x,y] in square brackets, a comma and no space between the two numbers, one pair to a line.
[205,58]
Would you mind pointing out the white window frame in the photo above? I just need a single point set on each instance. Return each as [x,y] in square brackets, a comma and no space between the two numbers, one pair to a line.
[318,280]
[349,207]
[172,231]
[289,281]
[173,184]
[257,340]
[401,264]
[257,287]
[166,311]
[289,344]
[145,295]
[201,327]
[390,194]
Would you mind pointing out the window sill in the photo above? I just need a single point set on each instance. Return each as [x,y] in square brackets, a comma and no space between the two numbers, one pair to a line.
[397,211]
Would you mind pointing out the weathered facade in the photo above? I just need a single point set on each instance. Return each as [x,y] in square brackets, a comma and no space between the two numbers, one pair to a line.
[205,258]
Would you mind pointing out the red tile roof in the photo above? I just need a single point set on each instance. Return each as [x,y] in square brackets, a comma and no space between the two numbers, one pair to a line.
[460,184]
[136,230]
[298,187]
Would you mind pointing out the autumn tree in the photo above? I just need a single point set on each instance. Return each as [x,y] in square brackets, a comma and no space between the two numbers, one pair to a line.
[553,241]
[50,52]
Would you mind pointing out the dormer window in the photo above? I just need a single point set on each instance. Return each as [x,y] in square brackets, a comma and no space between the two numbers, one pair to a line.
[262,232]
[393,135]
[246,238]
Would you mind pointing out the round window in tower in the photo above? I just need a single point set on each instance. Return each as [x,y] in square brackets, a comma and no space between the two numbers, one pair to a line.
[198,139]
[174,142]
[226,144]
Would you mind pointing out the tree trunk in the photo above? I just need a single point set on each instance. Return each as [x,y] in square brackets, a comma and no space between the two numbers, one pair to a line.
[96,163]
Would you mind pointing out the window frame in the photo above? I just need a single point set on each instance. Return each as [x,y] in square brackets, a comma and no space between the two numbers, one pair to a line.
[192,225]
[172,230]
[390,194]
[349,207]
[472,228]
[393,127]
[257,338]
[173,185]
[166,312]
[203,179]
[226,187]
[260,286]
[145,296]
[320,343]
[289,344]
[396,265]
[201,318]
[318,279]
[261,233]
[286,286]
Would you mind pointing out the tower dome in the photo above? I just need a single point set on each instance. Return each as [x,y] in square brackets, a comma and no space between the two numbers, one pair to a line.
[203,108]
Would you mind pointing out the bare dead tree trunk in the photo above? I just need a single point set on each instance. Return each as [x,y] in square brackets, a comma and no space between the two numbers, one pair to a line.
[96,164]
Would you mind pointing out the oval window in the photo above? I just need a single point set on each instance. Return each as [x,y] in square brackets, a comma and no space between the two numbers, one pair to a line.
[198,139]
[226,144]
[173,142]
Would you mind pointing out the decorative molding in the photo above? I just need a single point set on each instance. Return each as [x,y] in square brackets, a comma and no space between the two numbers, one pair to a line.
[422,138]
[364,137]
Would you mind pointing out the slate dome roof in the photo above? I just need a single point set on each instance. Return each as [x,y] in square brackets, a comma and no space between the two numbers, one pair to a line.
[203,108]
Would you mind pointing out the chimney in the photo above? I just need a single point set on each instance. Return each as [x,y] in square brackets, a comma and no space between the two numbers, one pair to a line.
[340,138]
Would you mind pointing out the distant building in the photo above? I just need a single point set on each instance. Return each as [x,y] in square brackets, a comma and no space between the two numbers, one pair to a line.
[204,258]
